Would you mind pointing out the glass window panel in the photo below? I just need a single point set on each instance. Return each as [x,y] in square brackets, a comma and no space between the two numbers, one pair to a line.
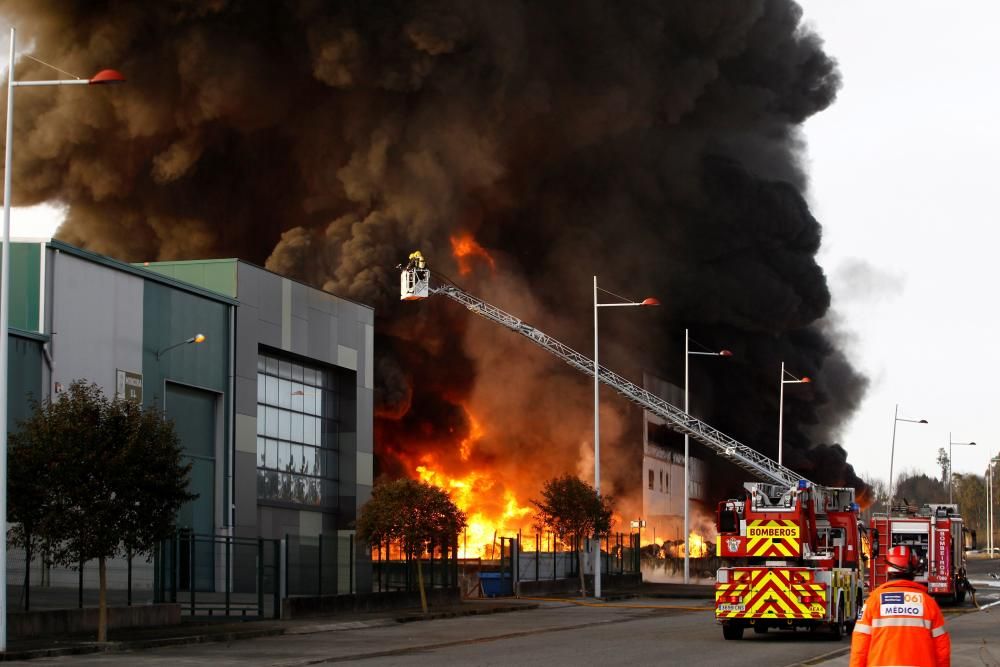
[297,396]
[296,427]
[271,390]
[309,376]
[272,366]
[260,420]
[309,430]
[284,424]
[261,449]
[309,400]
[284,393]
[260,388]
[284,453]
[271,423]
[272,454]
[285,370]
[297,372]
[315,456]
[260,363]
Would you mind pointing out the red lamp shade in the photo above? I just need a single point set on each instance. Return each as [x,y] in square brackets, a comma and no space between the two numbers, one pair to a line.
[725,353]
[107,76]
[650,301]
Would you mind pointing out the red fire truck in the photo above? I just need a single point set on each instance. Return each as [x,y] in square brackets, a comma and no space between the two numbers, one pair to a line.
[793,560]
[937,535]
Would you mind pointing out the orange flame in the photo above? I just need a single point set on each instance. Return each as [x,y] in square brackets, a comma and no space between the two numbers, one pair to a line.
[465,248]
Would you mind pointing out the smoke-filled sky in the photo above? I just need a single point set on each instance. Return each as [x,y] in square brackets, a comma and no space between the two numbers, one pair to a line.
[657,145]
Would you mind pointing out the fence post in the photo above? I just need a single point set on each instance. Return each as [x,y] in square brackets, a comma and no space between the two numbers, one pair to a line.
[175,550]
[319,560]
[287,547]
[350,564]
[277,578]
[128,599]
[229,574]
[260,577]
[191,573]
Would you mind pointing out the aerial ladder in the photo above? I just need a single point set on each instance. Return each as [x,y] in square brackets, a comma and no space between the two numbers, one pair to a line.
[415,284]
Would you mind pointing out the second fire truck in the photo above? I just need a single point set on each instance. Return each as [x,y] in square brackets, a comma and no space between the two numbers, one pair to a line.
[936,533]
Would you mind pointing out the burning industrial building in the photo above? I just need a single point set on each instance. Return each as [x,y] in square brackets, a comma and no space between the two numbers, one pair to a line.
[524,147]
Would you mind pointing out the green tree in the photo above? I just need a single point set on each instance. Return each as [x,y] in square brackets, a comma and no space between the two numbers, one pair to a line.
[970,494]
[570,507]
[944,462]
[110,477]
[918,489]
[412,514]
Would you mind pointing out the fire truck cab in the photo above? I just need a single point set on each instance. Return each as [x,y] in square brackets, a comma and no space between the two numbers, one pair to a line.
[792,560]
[936,533]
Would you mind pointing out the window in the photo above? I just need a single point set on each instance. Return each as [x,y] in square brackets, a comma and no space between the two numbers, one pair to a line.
[661,479]
[651,478]
[297,433]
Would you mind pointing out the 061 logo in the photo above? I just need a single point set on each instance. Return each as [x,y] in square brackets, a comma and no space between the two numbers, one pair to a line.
[733,543]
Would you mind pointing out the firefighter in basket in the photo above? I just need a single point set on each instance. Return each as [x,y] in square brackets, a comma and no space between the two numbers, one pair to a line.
[901,624]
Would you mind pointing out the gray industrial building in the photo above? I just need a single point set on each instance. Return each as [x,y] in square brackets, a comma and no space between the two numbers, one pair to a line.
[274,408]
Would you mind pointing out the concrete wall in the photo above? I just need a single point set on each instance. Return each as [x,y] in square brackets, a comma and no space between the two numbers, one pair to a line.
[63,622]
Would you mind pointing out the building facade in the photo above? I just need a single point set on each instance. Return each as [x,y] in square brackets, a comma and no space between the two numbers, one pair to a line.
[273,409]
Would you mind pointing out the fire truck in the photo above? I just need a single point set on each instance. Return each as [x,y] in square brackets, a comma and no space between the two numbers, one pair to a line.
[793,546]
[937,535]
[793,559]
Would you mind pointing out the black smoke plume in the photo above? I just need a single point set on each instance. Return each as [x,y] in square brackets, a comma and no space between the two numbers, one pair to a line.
[655,144]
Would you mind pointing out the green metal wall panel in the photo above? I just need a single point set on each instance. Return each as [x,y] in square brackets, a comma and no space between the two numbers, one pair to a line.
[170,316]
[217,275]
[24,378]
[25,267]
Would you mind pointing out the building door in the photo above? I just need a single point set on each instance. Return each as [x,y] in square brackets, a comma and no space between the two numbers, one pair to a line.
[193,412]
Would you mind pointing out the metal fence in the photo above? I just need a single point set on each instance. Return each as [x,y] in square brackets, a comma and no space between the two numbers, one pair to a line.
[620,554]
[395,569]
[220,575]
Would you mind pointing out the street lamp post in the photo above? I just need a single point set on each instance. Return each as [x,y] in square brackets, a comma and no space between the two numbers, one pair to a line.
[687,484]
[781,402]
[950,443]
[991,513]
[892,452]
[104,76]
[597,415]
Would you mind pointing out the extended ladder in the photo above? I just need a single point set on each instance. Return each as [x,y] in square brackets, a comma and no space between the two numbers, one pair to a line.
[415,284]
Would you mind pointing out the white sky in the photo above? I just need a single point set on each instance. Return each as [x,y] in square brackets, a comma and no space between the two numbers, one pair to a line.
[903,171]
[902,178]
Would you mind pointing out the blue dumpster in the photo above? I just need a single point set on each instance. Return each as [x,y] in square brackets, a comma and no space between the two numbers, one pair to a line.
[496,584]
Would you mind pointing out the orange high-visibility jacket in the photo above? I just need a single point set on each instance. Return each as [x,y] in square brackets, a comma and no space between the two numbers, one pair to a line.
[901,625]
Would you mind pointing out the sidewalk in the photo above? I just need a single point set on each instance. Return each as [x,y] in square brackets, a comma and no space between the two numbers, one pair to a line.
[202,630]
[975,640]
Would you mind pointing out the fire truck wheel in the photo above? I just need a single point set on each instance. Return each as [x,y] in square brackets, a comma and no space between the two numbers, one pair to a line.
[732,631]
[839,627]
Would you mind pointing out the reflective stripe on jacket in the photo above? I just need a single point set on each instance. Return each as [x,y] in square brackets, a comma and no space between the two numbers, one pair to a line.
[900,625]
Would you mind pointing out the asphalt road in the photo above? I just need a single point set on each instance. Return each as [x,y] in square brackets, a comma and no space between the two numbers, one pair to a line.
[633,632]
[637,632]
